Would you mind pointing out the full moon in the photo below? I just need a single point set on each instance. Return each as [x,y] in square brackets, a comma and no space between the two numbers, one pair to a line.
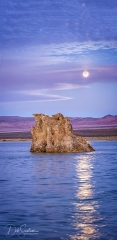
[85,73]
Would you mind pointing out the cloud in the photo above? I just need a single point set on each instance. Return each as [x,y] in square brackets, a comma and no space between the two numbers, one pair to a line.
[68,86]
[34,96]
[37,57]
[42,95]
[38,22]
[47,93]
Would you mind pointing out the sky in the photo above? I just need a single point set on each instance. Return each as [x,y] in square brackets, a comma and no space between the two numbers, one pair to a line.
[44,48]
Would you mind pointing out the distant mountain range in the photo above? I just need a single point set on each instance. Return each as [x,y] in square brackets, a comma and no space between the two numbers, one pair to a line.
[108,121]
[23,124]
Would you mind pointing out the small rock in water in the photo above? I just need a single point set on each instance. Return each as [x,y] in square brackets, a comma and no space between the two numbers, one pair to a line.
[55,135]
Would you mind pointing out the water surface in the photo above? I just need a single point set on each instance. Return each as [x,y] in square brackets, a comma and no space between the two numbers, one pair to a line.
[58,196]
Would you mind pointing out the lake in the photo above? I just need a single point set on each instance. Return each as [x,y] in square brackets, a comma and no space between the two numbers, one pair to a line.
[58,196]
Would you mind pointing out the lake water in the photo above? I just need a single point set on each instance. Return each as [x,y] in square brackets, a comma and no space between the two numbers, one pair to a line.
[58,196]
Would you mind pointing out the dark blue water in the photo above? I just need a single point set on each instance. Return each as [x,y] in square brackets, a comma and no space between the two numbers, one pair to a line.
[58,196]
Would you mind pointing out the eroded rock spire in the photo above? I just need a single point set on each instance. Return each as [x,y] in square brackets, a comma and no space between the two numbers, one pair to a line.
[55,135]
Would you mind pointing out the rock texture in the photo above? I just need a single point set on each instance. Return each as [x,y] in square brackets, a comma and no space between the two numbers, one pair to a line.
[55,135]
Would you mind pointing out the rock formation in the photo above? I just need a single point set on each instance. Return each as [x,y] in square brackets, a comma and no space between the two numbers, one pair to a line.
[55,135]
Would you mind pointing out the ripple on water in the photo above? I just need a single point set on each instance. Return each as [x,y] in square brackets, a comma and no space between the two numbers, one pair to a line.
[62,196]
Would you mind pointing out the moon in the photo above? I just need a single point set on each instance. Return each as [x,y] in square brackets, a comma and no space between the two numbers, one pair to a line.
[85,73]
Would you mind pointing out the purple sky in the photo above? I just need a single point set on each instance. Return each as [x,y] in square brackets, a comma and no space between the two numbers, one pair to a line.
[45,47]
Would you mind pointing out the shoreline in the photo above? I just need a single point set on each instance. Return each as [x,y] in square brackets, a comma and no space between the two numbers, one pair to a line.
[15,140]
[88,134]
[107,138]
[110,138]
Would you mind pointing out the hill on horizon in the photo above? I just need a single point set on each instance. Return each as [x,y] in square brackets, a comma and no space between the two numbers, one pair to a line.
[23,124]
